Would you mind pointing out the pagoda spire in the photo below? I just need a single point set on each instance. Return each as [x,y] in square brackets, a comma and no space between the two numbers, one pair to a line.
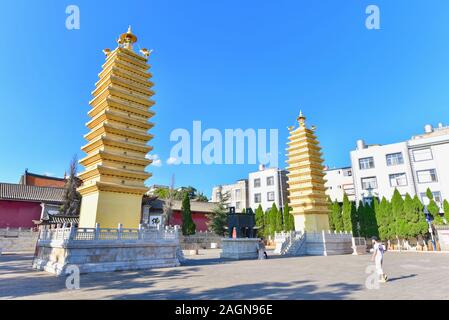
[127,40]
[114,176]
[307,196]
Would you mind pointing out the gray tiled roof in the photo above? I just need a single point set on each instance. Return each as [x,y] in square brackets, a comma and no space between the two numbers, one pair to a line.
[30,193]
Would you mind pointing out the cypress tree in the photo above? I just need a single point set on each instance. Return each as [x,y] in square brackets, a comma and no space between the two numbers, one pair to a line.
[433,208]
[330,216]
[446,210]
[347,214]
[372,228]
[289,219]
[398,222]
[277,219]
[383,219]
[260,221]
[362,211]
[188,226]
[337,217]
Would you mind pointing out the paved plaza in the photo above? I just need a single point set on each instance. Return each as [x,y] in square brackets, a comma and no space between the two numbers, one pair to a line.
[413,276]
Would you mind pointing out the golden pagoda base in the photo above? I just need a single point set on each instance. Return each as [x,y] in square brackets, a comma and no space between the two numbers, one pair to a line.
[110,209]
[311,222]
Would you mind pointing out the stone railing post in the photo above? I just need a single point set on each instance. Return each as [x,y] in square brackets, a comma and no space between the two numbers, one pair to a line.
[97,231]
[140,232]
[119,231]
[72,232]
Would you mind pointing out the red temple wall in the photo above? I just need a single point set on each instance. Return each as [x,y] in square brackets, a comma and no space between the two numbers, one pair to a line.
[19,214]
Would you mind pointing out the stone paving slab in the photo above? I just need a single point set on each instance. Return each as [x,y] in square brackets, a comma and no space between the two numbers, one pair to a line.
[413,276]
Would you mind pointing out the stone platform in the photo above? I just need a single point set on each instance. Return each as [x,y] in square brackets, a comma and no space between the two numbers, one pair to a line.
[239,249]
[105,250]
[297,243]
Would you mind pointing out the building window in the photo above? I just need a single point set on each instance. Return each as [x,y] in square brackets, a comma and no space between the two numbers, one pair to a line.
[427,176]
[395,159]
[257,198]
[257,183]
[237,206]
[436,197]
[270,181]
[398,180]
[422,155]
[237,194]
[270,196]
[366,163]
[369,183]
[347,173]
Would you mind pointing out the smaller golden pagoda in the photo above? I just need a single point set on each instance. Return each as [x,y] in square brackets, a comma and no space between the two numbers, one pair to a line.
[307,196]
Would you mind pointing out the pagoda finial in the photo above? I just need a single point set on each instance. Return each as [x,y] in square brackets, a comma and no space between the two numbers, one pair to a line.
[127,39]
[302,119]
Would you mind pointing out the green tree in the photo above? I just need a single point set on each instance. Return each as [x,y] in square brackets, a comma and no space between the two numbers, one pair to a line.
[260,221]
[398,225]
[188,226]
[337,217]
[371,228]
[72,198]
[383,218]
[362,212]
[330,217]
[446,210]
[289,224]
[348,214]
[414,216]
[218,218]
[433,208]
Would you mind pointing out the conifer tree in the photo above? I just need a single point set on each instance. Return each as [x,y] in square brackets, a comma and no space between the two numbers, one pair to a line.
[446,210]
[383,219]
[330,216]
[218,219]
[372,228]
[260,221]
[72,198]
[337,216]
[188,226]
[289,219]
[433,208]
[347,212]
[362,211]
[398,222]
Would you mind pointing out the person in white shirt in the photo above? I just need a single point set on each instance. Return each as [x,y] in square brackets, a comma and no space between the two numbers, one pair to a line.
[378,258]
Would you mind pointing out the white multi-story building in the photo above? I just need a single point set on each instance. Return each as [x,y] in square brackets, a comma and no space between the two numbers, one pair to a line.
[236,194]
[267,187]
[411,167]
[429,155]
[264,187]
[338,182]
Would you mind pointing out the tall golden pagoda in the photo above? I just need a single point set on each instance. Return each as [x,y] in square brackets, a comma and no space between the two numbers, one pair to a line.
[114,176]
[307,196]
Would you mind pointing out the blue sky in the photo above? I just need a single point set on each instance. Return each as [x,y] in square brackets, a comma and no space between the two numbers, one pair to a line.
[231,64]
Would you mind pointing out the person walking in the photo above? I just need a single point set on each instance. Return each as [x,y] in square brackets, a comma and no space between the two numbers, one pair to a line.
[262,251]
[378,258]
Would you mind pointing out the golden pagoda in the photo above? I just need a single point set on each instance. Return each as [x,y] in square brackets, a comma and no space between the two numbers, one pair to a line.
[114,176]
[307,196]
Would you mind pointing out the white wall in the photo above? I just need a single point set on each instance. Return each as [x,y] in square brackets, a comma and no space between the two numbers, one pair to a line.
[264,189]
[381,170]
[338,182]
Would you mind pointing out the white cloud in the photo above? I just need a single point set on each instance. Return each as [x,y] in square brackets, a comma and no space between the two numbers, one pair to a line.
[157,162]
[172,161]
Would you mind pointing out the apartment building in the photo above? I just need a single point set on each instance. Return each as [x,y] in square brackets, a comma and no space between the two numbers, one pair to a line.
[264,187]
[236,194]
[338,182]
[267,186]
[411,166]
